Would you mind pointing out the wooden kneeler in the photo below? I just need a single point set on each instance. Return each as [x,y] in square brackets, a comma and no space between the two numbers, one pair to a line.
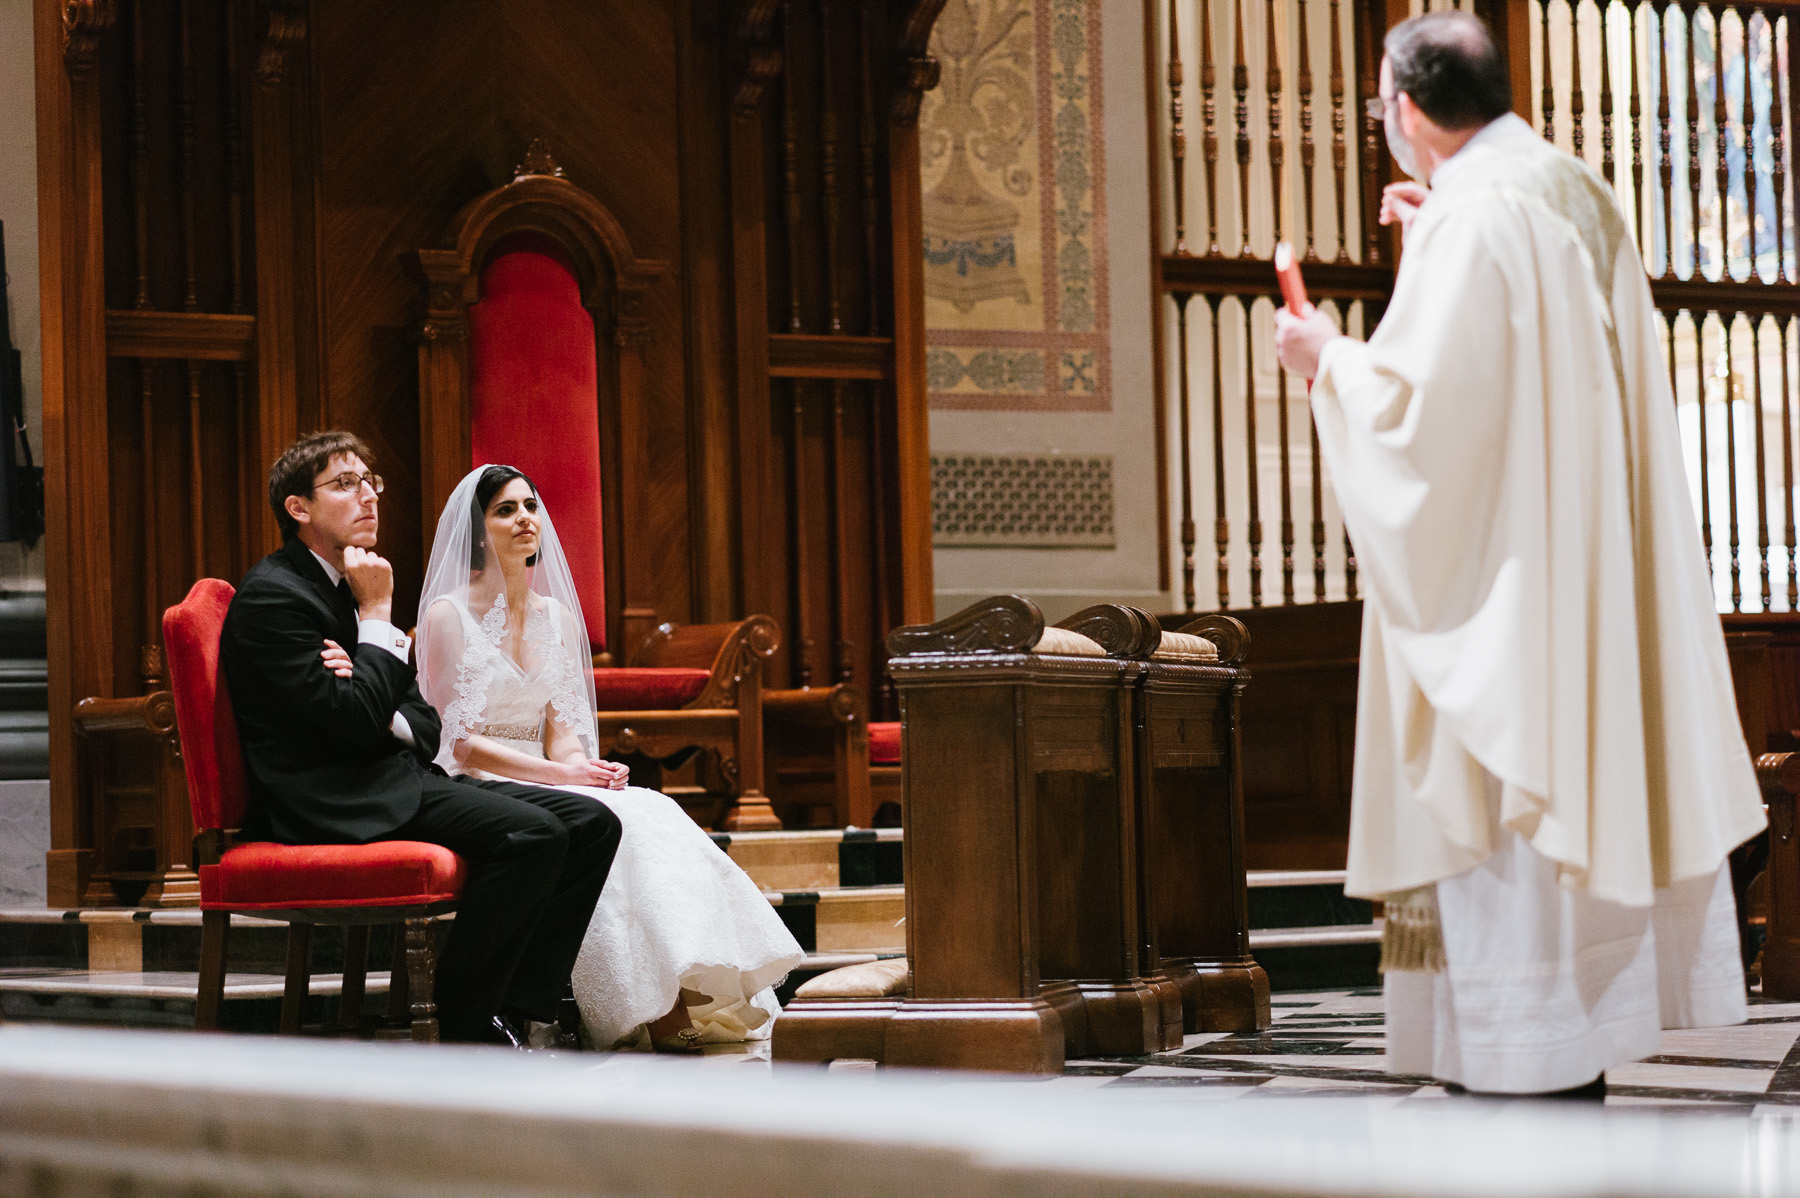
[1021,849]
[1195,909]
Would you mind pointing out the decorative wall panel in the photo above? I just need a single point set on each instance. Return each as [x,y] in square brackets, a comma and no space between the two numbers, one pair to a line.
[1014,210]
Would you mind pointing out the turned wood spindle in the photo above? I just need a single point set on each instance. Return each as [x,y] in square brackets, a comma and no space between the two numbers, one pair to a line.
[1240,86]
[1221,525]
[1318,509]
[1184,410]
[1748,125]
[1692,13]
[1549,93]
[1643,214]
[1722,155]
[1253,529]
[1340,156]
[1304,82]
[1209,135]
[1706,537]
[1367,29]
[1606,96]
[1778,102]
[1287,492]
[1577,100]
[1272,79]
[1665,146]
[1727,321]
[1785,325]
[1177,132]
[1762,470]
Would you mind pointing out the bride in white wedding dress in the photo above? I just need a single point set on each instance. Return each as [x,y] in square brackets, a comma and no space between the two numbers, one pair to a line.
[682,943]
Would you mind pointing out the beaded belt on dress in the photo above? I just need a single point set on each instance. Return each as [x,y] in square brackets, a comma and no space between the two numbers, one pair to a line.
[528,732]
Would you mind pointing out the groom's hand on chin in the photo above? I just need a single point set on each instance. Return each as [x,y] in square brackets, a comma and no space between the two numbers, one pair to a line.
[371,581]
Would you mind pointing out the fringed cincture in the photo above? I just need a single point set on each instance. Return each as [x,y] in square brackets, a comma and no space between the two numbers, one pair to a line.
[1412,939]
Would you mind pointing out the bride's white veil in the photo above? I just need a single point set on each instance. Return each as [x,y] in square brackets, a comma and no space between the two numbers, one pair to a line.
[450,677]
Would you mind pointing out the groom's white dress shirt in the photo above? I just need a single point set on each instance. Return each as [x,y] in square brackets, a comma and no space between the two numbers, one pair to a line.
[377,632]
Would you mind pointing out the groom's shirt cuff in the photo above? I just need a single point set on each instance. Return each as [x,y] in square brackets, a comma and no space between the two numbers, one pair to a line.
[380,632]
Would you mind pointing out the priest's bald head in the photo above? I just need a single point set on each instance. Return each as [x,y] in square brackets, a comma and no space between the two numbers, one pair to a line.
[1443,79]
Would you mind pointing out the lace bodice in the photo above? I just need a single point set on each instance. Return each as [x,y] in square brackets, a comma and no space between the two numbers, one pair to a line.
[494,695]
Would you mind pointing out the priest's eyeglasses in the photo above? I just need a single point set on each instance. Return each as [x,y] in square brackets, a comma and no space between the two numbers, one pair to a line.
[350,483]
[1376,107]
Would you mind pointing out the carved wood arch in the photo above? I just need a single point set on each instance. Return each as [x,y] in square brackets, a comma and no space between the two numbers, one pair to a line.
[614,282]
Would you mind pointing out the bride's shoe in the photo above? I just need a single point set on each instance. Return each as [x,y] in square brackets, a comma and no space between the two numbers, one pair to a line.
[675,1032]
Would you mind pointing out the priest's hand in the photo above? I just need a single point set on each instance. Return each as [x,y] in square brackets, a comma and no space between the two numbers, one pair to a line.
[1298,340]
[1400,203]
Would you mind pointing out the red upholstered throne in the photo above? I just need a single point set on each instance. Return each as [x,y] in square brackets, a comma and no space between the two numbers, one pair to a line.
[355,886]
[532,355]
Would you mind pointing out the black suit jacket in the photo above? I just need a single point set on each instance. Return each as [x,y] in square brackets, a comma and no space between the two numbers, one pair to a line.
[323,764]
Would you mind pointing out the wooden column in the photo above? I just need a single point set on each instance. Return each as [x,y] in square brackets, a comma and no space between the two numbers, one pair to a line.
[78,536]
[912,450]
[284,266]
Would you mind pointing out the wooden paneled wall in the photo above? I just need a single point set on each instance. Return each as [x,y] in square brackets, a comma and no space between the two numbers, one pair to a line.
[229,191]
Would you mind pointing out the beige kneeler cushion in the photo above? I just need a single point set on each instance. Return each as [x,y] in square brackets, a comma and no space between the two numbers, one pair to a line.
[1185,646]
[872,979]
[1067,643]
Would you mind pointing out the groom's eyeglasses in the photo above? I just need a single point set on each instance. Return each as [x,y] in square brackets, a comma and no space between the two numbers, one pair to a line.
[350,483]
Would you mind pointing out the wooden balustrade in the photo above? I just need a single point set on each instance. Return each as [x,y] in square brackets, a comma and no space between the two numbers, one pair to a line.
[1683,107]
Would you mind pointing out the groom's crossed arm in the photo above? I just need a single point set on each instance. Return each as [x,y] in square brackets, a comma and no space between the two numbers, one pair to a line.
[273,640]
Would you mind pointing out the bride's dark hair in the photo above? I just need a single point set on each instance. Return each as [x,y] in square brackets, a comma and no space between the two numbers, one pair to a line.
[486,487]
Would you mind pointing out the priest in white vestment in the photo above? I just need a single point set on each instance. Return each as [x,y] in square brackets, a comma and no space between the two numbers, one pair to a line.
[1549,766]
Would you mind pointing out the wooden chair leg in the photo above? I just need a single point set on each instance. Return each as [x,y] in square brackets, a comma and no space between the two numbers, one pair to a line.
[421,970]
[215,930]
[299,977]
[399,1006]
[356,972]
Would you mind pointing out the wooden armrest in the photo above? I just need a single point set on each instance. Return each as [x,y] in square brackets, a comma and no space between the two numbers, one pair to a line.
[814,706]
[153,713]
[1778,773]
[705,646]
[737,653]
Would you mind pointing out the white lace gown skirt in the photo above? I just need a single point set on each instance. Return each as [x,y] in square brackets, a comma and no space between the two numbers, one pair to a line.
[676,911]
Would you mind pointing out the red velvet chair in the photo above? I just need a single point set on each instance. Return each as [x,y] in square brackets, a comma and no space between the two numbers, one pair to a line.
[512,362]
[355,886]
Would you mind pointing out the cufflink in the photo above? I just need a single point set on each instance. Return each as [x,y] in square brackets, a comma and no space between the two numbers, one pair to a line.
[400,642]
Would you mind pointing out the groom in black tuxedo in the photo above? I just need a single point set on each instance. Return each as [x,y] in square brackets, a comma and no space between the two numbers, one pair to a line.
[338,746]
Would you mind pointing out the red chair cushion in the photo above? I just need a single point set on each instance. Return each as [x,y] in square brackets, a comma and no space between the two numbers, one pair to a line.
[212,759]
[661,689]
[388,873]
[534,399]
[884,744]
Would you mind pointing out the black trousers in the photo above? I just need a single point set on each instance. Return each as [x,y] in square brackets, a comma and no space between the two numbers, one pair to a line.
[537,859]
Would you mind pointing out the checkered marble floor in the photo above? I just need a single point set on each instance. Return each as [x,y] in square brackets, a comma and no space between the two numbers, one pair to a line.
[1332,1043]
